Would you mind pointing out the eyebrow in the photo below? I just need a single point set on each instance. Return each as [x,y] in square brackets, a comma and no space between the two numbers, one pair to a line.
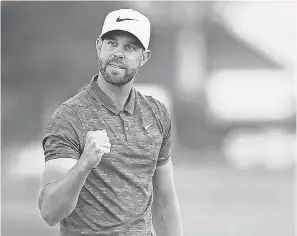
[132,41]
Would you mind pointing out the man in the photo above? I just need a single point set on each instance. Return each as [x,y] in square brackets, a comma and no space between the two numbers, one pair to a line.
[108,168]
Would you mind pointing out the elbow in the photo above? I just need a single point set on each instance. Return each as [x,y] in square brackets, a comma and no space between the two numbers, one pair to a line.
[50,222]
[48,218]
[46,213]
[53,215]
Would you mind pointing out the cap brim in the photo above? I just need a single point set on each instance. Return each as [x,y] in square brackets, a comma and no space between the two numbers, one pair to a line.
[121,29]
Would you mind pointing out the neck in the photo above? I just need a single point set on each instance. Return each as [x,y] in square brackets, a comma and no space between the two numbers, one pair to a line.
[118,94]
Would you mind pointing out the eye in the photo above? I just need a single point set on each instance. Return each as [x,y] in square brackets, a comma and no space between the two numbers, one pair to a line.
[112,43]
[130,48]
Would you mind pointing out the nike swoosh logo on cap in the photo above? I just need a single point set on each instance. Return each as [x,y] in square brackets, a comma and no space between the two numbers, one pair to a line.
[119,19]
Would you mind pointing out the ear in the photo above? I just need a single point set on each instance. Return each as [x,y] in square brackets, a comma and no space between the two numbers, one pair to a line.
[145,57]
[98,46]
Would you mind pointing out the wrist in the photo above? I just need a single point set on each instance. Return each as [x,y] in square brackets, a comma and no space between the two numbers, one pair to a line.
[84,166]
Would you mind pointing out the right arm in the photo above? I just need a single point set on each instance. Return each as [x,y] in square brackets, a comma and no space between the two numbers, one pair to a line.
[63,178]
[60,188]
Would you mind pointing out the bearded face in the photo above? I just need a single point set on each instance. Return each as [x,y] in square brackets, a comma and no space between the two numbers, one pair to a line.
[120,57]
[115,72]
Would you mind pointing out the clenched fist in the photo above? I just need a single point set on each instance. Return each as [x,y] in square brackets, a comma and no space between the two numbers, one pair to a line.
[97,143]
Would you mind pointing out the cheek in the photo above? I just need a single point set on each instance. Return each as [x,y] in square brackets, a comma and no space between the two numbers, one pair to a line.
[103,60]
[134,62]
[104,55]
[139,60]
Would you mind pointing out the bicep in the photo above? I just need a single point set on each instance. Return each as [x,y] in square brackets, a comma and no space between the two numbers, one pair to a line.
[54,170]
[163,183]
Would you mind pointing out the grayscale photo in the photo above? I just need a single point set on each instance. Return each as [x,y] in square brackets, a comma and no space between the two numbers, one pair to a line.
[148,118]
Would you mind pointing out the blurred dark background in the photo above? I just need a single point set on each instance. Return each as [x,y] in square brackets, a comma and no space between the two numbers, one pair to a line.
[225,70]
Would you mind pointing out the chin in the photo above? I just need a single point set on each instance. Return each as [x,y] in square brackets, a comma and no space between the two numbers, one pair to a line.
[117,82]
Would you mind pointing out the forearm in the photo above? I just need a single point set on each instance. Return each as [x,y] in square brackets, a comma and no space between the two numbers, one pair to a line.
[59,199]
[167,218]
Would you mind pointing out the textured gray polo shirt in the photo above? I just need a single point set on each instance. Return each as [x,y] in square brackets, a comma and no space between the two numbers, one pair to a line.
[117,195]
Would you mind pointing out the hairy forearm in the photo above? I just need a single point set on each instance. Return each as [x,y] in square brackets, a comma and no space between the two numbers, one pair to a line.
[167,218]
[57,200]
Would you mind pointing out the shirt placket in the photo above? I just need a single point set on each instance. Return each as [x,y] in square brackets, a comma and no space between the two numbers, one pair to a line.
[126,128]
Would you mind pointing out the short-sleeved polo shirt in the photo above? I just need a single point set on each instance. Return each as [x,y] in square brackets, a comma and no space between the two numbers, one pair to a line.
[117,195]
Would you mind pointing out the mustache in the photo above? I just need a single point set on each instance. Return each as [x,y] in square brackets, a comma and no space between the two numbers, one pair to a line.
[117,62]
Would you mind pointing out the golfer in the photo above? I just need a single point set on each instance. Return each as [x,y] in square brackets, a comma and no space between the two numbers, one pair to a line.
[108,168]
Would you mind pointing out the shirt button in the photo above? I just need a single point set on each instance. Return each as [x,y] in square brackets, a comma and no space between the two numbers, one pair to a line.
[127,128]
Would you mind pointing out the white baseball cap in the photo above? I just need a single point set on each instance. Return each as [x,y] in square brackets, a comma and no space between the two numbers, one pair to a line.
[131,21]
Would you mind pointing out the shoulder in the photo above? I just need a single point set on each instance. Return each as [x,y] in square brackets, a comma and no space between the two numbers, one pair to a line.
[68,109]
[64,124]
[62,113]
[159,107]
[81,99]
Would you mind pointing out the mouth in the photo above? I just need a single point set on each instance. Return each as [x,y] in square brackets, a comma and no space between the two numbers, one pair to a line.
[116,66]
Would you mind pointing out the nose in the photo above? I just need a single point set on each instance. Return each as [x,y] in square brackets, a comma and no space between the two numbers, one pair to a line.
[118,55]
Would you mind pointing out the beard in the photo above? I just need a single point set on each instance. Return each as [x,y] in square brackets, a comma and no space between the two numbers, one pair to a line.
[116,76]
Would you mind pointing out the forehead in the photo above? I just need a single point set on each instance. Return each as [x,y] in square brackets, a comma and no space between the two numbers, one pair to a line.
[123,35]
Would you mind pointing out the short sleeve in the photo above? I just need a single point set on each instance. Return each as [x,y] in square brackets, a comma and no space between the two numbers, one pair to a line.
[61,139]
[165,151]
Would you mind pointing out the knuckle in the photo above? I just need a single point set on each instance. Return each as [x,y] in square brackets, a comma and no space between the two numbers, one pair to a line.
[89,132]
[90,137]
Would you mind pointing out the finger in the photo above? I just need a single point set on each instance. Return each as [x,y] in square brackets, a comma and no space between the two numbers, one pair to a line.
[100,131]
[103,146]
[101,143]
[102,150]
[89,133]
[108,145]
[101,139]
[96,134]
[101,136]
[90,142]
[105,149]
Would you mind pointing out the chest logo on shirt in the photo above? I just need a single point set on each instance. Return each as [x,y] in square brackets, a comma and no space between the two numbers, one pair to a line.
[147,126]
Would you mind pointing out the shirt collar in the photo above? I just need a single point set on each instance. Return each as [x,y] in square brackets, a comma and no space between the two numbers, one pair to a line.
[96,92]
